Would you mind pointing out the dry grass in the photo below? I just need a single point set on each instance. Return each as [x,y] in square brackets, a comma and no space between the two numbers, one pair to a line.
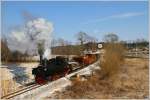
[113,59]
[7,86]
[80,89]
[131,82]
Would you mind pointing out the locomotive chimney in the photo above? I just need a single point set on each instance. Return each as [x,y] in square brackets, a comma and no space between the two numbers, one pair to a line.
[40,59]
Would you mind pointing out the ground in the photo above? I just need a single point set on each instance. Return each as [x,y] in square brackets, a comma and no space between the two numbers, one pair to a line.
[131,82]
[14,75]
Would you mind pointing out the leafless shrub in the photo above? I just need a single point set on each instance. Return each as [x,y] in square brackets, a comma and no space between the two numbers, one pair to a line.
[113,58]
[84,89]
[146,66]
[5,51]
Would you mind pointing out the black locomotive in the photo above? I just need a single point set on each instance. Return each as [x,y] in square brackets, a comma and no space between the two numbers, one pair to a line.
[51,69]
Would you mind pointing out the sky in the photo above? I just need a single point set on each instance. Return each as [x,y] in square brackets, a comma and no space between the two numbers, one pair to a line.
[128,19]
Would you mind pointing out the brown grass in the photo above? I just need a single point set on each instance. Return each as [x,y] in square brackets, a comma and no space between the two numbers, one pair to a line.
[131,83]
[80,89]
[7,86]
[113,59]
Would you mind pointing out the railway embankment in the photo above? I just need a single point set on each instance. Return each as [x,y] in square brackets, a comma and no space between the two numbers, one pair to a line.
[58,85]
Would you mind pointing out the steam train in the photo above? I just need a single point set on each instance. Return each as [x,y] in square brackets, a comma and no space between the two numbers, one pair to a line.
[52,69]
[49,70]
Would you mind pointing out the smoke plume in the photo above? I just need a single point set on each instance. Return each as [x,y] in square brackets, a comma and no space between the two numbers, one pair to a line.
[34,32]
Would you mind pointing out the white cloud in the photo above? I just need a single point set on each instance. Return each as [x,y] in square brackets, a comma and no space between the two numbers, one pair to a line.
[127,15]
[118,16]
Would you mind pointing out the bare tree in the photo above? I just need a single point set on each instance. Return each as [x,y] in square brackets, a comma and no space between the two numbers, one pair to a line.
[65,49]
[111,37]
[81,37]
[91,43]
[84,38]
[54,42]
[5,51]
[61,42]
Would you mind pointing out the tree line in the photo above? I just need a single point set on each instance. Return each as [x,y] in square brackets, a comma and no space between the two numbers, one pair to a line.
[63,47]
[9,55]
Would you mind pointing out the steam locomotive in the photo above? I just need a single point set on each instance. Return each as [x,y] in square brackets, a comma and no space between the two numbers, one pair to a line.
[49,70]
[52,69]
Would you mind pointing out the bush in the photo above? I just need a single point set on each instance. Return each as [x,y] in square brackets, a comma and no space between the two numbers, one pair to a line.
[113,58]
[80,89]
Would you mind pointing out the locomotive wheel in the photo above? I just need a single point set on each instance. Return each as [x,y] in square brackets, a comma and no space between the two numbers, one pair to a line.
[50,78]
[40,80]
[55,77]
[66,72]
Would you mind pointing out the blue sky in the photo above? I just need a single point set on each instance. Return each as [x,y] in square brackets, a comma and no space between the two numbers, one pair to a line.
[129,20]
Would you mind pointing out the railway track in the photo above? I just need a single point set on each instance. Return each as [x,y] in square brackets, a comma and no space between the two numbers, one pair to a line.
[28,87]
[23,90]
[31,86]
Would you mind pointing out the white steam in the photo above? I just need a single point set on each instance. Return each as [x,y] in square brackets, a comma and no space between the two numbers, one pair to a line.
[35,31]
